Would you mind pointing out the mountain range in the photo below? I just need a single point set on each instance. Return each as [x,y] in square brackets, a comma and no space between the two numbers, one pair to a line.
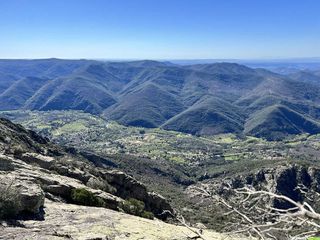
[200,99]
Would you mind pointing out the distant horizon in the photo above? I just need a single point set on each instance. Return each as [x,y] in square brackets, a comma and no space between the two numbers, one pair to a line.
[295,59]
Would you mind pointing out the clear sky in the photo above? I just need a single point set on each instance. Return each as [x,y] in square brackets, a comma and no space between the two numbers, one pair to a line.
[159,29]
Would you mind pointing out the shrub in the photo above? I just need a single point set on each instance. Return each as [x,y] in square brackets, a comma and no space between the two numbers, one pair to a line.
[147,214]
[82,196]
[135,207]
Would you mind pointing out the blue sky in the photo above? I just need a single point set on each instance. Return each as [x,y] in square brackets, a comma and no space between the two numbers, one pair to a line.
[159,29]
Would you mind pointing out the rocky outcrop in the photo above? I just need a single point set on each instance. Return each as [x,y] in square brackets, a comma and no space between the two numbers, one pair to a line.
[158,204]
[40,169]
[17,139]
[113,188]
[60,189]
[41,160]
[22,196]
[128,187]
[284,180]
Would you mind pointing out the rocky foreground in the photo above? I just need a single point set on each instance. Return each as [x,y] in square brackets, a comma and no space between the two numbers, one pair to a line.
[68,221]
[49,192]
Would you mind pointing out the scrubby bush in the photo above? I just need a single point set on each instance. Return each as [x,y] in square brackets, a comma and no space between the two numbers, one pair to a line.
[10,202]
[82,196]
[135,207]
[147,214]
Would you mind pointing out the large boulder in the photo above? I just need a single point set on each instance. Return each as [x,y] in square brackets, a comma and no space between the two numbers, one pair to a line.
[32,197]
[20,196]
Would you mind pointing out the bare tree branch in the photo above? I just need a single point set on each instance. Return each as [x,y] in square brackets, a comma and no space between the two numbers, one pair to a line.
[252,212]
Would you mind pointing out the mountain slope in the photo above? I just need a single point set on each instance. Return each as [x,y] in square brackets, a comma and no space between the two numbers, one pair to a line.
[275,122]
[73,93]
[19,92]
[223,68]
[202,99]
[207,117]
[6,80]
[305,76]
[303,107]
[149,106]
[89,88]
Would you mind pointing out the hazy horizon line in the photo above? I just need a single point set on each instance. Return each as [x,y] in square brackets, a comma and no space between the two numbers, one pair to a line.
[174,59]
